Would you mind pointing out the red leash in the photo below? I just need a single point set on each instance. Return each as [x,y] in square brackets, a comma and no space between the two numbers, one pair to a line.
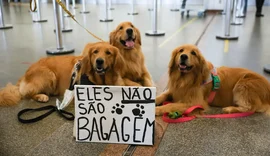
[186,118]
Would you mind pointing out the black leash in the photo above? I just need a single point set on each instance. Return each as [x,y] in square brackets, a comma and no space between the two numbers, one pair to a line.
[67,115]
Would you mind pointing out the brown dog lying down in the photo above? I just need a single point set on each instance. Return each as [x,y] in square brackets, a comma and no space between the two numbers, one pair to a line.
[241,90]
[51,76]
[126,37]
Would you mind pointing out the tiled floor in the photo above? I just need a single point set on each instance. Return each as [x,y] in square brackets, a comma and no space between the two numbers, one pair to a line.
[28,41]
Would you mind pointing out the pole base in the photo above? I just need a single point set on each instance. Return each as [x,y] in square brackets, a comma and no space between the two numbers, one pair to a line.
[224,37]
[75,7]
[84,12]
[65,30]
[237,23]
[155,33]
[40,21]
[174,9]
[150,9]
[6,26]
[57,51]
[134,13]
[111,8]
[266,68]
[106,20]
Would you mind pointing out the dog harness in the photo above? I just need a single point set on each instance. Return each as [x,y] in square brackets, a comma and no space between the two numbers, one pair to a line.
[176,117]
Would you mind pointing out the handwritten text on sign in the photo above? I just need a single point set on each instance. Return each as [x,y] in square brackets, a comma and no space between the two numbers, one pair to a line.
[114,114]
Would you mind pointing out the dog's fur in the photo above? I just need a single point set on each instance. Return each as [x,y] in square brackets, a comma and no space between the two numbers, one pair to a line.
[52,75]
[241,90]
[126,37]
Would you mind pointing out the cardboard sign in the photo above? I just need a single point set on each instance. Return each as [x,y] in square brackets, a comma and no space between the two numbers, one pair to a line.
[115,114]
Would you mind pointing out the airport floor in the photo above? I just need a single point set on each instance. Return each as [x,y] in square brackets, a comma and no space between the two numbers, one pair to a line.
[27,41]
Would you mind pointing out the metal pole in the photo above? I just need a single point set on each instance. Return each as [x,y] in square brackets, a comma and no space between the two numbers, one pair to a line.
[234,20]
[155,32]
[110,5]
[67,6]
[106,14]
[83,8]
[2,23]
[133,12]
[175,6]
[151,5]
[227,24]
[74,4]
[62,21]
[60,49]
[39,19]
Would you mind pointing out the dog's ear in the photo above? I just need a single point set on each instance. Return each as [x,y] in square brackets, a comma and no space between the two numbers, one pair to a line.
[172,61]
[87,48]
[119,63]
[205,70]
[112,37]
[138,36]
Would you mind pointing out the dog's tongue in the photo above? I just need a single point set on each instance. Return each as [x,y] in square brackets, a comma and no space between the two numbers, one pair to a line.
[129,43]
[183,66]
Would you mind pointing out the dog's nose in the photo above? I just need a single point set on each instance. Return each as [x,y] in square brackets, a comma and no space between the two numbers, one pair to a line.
[129,31]
[184,57]
[99,61]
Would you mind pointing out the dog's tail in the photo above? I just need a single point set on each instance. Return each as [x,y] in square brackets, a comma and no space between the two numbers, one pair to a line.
[10,95]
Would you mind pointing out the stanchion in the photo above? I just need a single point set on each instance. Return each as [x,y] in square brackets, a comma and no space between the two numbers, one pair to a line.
[175,6]
[266,68]
[110,5]
[242,7]
[155,32]
[67,6]
[151,5]
[2,23]
[74,4]
[39,19]
[60,49]
[133,12]
[227,34]
[106,19]
[83,8]
[62,20]
[234,20]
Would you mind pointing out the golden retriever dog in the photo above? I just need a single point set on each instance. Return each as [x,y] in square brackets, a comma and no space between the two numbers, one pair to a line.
[102,65]
[241,90]
[126,37]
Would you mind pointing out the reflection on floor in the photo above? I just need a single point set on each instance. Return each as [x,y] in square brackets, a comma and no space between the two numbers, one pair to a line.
[28,41]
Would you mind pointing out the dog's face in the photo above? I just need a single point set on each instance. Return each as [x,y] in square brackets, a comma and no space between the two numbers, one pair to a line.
[102,57]
[125,35]
[187,58]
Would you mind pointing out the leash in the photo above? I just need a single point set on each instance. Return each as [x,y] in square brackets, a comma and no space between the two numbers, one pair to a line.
[179,118]
[68,96]
[72,16]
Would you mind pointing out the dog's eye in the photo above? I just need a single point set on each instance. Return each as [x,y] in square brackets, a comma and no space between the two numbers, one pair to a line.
[120,28]
[108,53]
[132,26]
[181,50]
[95,52]
[193,53]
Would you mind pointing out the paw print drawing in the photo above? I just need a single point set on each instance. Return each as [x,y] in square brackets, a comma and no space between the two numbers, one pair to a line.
[118,109]
[138,111]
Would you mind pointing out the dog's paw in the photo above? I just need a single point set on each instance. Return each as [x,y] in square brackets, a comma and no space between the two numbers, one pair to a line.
[41,98]
[158,111]
[228,110]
